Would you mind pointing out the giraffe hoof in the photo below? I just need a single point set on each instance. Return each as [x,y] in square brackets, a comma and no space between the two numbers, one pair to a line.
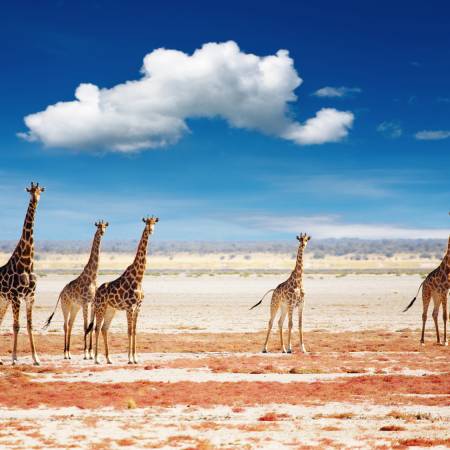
[264,350]
[1,362]
[130,362]
[36,363]
[289,350]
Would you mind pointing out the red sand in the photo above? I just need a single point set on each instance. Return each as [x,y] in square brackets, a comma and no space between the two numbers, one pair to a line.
[331,353]
[316,341]
[373,389]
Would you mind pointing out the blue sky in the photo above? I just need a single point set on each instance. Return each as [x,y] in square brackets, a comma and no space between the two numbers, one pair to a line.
[230,171]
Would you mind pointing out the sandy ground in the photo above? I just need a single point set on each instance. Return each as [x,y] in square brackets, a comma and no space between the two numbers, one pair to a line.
[202,382]
[220,303]
[236,261]
[387,393]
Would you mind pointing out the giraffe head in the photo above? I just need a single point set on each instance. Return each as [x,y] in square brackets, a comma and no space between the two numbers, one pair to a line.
[150,223]
[101,226]
[303,238]
[35,191]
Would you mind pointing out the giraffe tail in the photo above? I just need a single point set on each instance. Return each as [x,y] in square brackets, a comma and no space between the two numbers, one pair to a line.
[254,306]
[89,328]
[47,323]
[415,298]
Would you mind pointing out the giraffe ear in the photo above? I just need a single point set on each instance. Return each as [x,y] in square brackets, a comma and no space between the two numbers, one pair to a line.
[107,224]
[143,220]
[42,189]
[96,224]
[157,219]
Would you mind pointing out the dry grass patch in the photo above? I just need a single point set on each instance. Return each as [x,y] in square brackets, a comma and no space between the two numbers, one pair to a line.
[422,442]
[409,417]
[340,416]
[392,428]
[273,417]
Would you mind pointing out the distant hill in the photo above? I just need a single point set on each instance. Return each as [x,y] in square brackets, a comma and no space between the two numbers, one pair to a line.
[357,248]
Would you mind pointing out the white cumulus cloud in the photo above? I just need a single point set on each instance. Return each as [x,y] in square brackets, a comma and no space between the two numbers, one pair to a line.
[217,80]
[328,125]
[430,135]
[342,91]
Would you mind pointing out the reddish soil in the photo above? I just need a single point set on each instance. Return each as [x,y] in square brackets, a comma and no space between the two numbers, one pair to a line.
[389,355]
[376,389]
[316,341]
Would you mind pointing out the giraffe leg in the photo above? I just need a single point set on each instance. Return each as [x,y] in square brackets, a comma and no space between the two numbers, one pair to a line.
[426,298]
[300,324]
[73,314]
[290,323]
[280,325]
[3,308]
[135,316]
[15,309]
[445,317]
[274,305]
[109,314]
[99,315]
[65,306]
[92,331]
[437,303]
[85,326]
[29,305]
[130,335]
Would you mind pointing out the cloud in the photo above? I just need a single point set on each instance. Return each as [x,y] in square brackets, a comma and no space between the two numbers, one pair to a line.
[430,135]
[217,80]
[333,227]
[390,129]
[328,125]
[342,91]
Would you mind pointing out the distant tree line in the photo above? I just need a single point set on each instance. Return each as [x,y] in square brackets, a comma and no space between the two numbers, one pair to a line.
[319,248]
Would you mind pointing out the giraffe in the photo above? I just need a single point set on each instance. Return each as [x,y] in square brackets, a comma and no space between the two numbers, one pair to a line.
[436,285]
[288,295]
[124,293]
[79,293]
[17,277]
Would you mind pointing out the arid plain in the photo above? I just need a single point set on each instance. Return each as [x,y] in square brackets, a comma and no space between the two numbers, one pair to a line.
[202,381]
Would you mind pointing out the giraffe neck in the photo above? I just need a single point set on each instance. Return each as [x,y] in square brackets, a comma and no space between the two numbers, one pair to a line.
[445,264]
[140,261]
[91,267]
[298,270]
[24,251]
